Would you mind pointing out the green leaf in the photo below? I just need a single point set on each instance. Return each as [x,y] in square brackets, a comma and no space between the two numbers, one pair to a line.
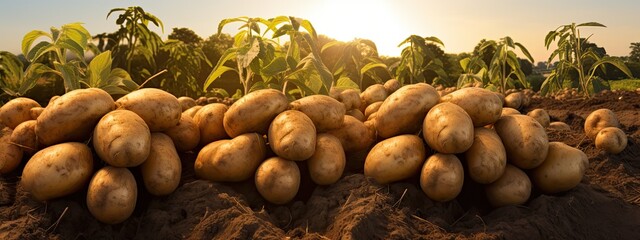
[525,51]
[590,24]
[278,65]
[39,50]
[216,74]
[435,40]
[372,65]
[310,29]
[616,63]
[100,69]
[346,83]
[247,53]
[30,37]
[70,76]
[230,20]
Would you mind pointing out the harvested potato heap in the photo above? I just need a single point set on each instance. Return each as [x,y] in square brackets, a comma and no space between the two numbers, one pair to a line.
[406,131]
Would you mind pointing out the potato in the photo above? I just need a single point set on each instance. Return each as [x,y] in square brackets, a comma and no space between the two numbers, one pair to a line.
[395,158]
[210,122]
[292,136]
[514,100]
[185,135]
[354,135]
[524,139]
[278,180]
[561,170]
[372,108]
[10,154]
[162,170]
[326,112]
[73,116]
[391,85]
[191,112]
[159,109]
[24,136]
[232,160]
[487,158]
[16,111]
[404,110]
[112,195]
[35,112]
[559,126]
[122,139]
[186,103]
[58,170]
[541,116]
[254,112]
[447,128]
[356,113]
[509,111]
[327,163]
[442,177]
[374,93]
[483,106]
[350,98]
[512,188]
[598,120]
[610,139]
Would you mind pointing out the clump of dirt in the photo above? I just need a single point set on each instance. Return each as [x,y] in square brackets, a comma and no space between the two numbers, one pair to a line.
[606,205]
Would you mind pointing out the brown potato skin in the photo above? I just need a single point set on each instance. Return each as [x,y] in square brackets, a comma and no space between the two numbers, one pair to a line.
[278,180]
[191,112]
[350,98]
[391,85]
[24,135]
[254,112]
[162,170]
[541,116]
[514,100]
[562,170]
[524,140]
[559,126]
[57,171]
[442,177]
[512,188]
[186,103]
[159,109]
[372,108]
[327,163]
[509,111]
[112,195]
[483,106]
[356,113]
[292,136]
[395,158]
[404,110]
[447,128]
[599,119]
[185,135]
[73,116]
[16,111]
[10,154]
[232,160]
[326,112]
[210,122]
[611,139]
[486,158]
[354,134]
[374,93]
[122,139]
[35,112]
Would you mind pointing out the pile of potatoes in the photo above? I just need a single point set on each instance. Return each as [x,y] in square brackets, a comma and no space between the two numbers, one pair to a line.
[143,129]
[86,140]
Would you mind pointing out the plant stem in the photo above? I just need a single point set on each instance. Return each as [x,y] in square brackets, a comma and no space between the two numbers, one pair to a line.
[152,77]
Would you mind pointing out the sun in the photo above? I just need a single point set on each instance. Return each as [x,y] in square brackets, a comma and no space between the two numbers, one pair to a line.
[374,20]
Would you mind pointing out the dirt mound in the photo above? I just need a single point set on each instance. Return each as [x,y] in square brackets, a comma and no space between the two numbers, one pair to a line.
[606,205]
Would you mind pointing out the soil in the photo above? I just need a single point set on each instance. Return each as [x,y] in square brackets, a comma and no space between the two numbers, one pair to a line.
[606,205]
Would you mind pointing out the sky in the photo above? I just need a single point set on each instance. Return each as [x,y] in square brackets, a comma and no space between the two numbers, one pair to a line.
[459,24]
